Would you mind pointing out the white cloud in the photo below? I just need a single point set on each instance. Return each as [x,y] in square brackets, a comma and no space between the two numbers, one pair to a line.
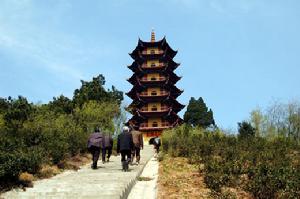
[24,34]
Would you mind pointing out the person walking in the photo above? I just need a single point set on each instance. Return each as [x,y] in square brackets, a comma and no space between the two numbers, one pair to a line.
[156,143]
[107,149]
[125,146]
[95,144]
[138,142]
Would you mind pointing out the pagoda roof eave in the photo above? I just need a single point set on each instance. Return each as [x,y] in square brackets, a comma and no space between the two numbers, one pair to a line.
[142,43]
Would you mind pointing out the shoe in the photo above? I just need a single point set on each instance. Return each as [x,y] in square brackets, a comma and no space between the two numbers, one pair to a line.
[123,166]
[126,165]
[103,162]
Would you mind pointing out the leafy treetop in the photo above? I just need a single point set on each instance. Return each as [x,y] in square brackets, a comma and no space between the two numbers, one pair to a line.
[197,114]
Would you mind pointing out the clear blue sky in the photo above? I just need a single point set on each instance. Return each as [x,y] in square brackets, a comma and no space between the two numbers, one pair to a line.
[236,54]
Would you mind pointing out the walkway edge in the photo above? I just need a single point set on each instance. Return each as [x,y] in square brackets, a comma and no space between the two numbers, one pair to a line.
[130,185]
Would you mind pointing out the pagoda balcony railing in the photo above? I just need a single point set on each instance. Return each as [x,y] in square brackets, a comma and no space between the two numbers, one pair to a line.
[152,52]
[154,65]
[162,125]
[153,94]
[145,79]
[163,108]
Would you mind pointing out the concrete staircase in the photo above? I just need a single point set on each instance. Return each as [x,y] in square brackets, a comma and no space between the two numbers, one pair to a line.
[108,181]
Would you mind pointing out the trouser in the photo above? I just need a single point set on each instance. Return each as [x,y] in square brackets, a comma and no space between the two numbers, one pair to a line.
[95,151]
[108,150]
[125,159]
[156,147]
[125,155]
[136,153]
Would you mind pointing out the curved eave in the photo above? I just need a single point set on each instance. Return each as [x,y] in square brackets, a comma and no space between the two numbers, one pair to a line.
[175,95]
[146,129]
[172,117]
[170,52]
[136,119]
[153,113]
[174,80]
[154,98]
[154,69]
[172,65]
[153,83]
[171,101]
[143,44]
[173,76]
[132,93]
[137,103]
[176,90]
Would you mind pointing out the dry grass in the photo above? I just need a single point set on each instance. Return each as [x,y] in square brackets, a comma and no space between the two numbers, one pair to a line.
[75,162]
[144,178]
[48,171]
[179,179]
[26,179]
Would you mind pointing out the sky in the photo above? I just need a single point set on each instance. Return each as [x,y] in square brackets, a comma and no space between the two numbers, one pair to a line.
[237,55]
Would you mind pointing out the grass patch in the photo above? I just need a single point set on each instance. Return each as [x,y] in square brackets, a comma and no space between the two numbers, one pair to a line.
[179,179]
[144,178]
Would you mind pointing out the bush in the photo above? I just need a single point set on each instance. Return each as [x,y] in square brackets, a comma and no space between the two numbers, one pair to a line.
[265,168]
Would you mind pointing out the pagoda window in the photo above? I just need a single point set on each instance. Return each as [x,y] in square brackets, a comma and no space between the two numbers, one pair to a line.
[153,93]
[152,52]
[153,78]
[153,64]
[154,108]
[154,124]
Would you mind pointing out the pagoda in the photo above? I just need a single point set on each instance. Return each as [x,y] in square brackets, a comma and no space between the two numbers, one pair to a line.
[154,106]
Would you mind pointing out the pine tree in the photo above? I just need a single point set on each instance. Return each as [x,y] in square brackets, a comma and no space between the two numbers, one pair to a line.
[197,114]
[246,130]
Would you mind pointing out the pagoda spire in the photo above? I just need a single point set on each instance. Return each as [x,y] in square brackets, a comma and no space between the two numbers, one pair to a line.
[152,35]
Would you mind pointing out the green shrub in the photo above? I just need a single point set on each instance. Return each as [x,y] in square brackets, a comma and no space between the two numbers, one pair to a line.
[268,168]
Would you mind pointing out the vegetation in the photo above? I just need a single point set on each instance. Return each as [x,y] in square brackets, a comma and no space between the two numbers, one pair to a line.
[180,179]
[197,114]
[262,165]
[32,135]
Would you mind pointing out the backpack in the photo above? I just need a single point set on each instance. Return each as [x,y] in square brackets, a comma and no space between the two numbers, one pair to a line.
[157,141]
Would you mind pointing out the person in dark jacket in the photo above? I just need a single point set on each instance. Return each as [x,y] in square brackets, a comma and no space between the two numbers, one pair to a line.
[95,144]
[108,145]
[138,142]
[125,146]
[156,143]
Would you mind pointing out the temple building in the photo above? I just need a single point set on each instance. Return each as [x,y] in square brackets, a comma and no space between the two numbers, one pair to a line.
[154,107]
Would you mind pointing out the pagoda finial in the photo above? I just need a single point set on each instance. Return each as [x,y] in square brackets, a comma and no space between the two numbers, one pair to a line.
[152,35]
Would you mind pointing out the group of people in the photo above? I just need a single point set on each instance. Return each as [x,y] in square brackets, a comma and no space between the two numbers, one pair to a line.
[129,144]
[98,142]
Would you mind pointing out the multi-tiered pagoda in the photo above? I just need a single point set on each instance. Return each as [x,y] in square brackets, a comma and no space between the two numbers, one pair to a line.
[154,107]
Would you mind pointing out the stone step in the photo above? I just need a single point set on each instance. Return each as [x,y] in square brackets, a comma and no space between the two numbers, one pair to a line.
[106,182]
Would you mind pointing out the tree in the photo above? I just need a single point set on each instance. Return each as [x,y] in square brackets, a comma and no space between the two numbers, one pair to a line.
[258,121]
[197,114]
[18,111]
[246,130]
[94,90]
[4,105]
[97,114]
[61,104]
